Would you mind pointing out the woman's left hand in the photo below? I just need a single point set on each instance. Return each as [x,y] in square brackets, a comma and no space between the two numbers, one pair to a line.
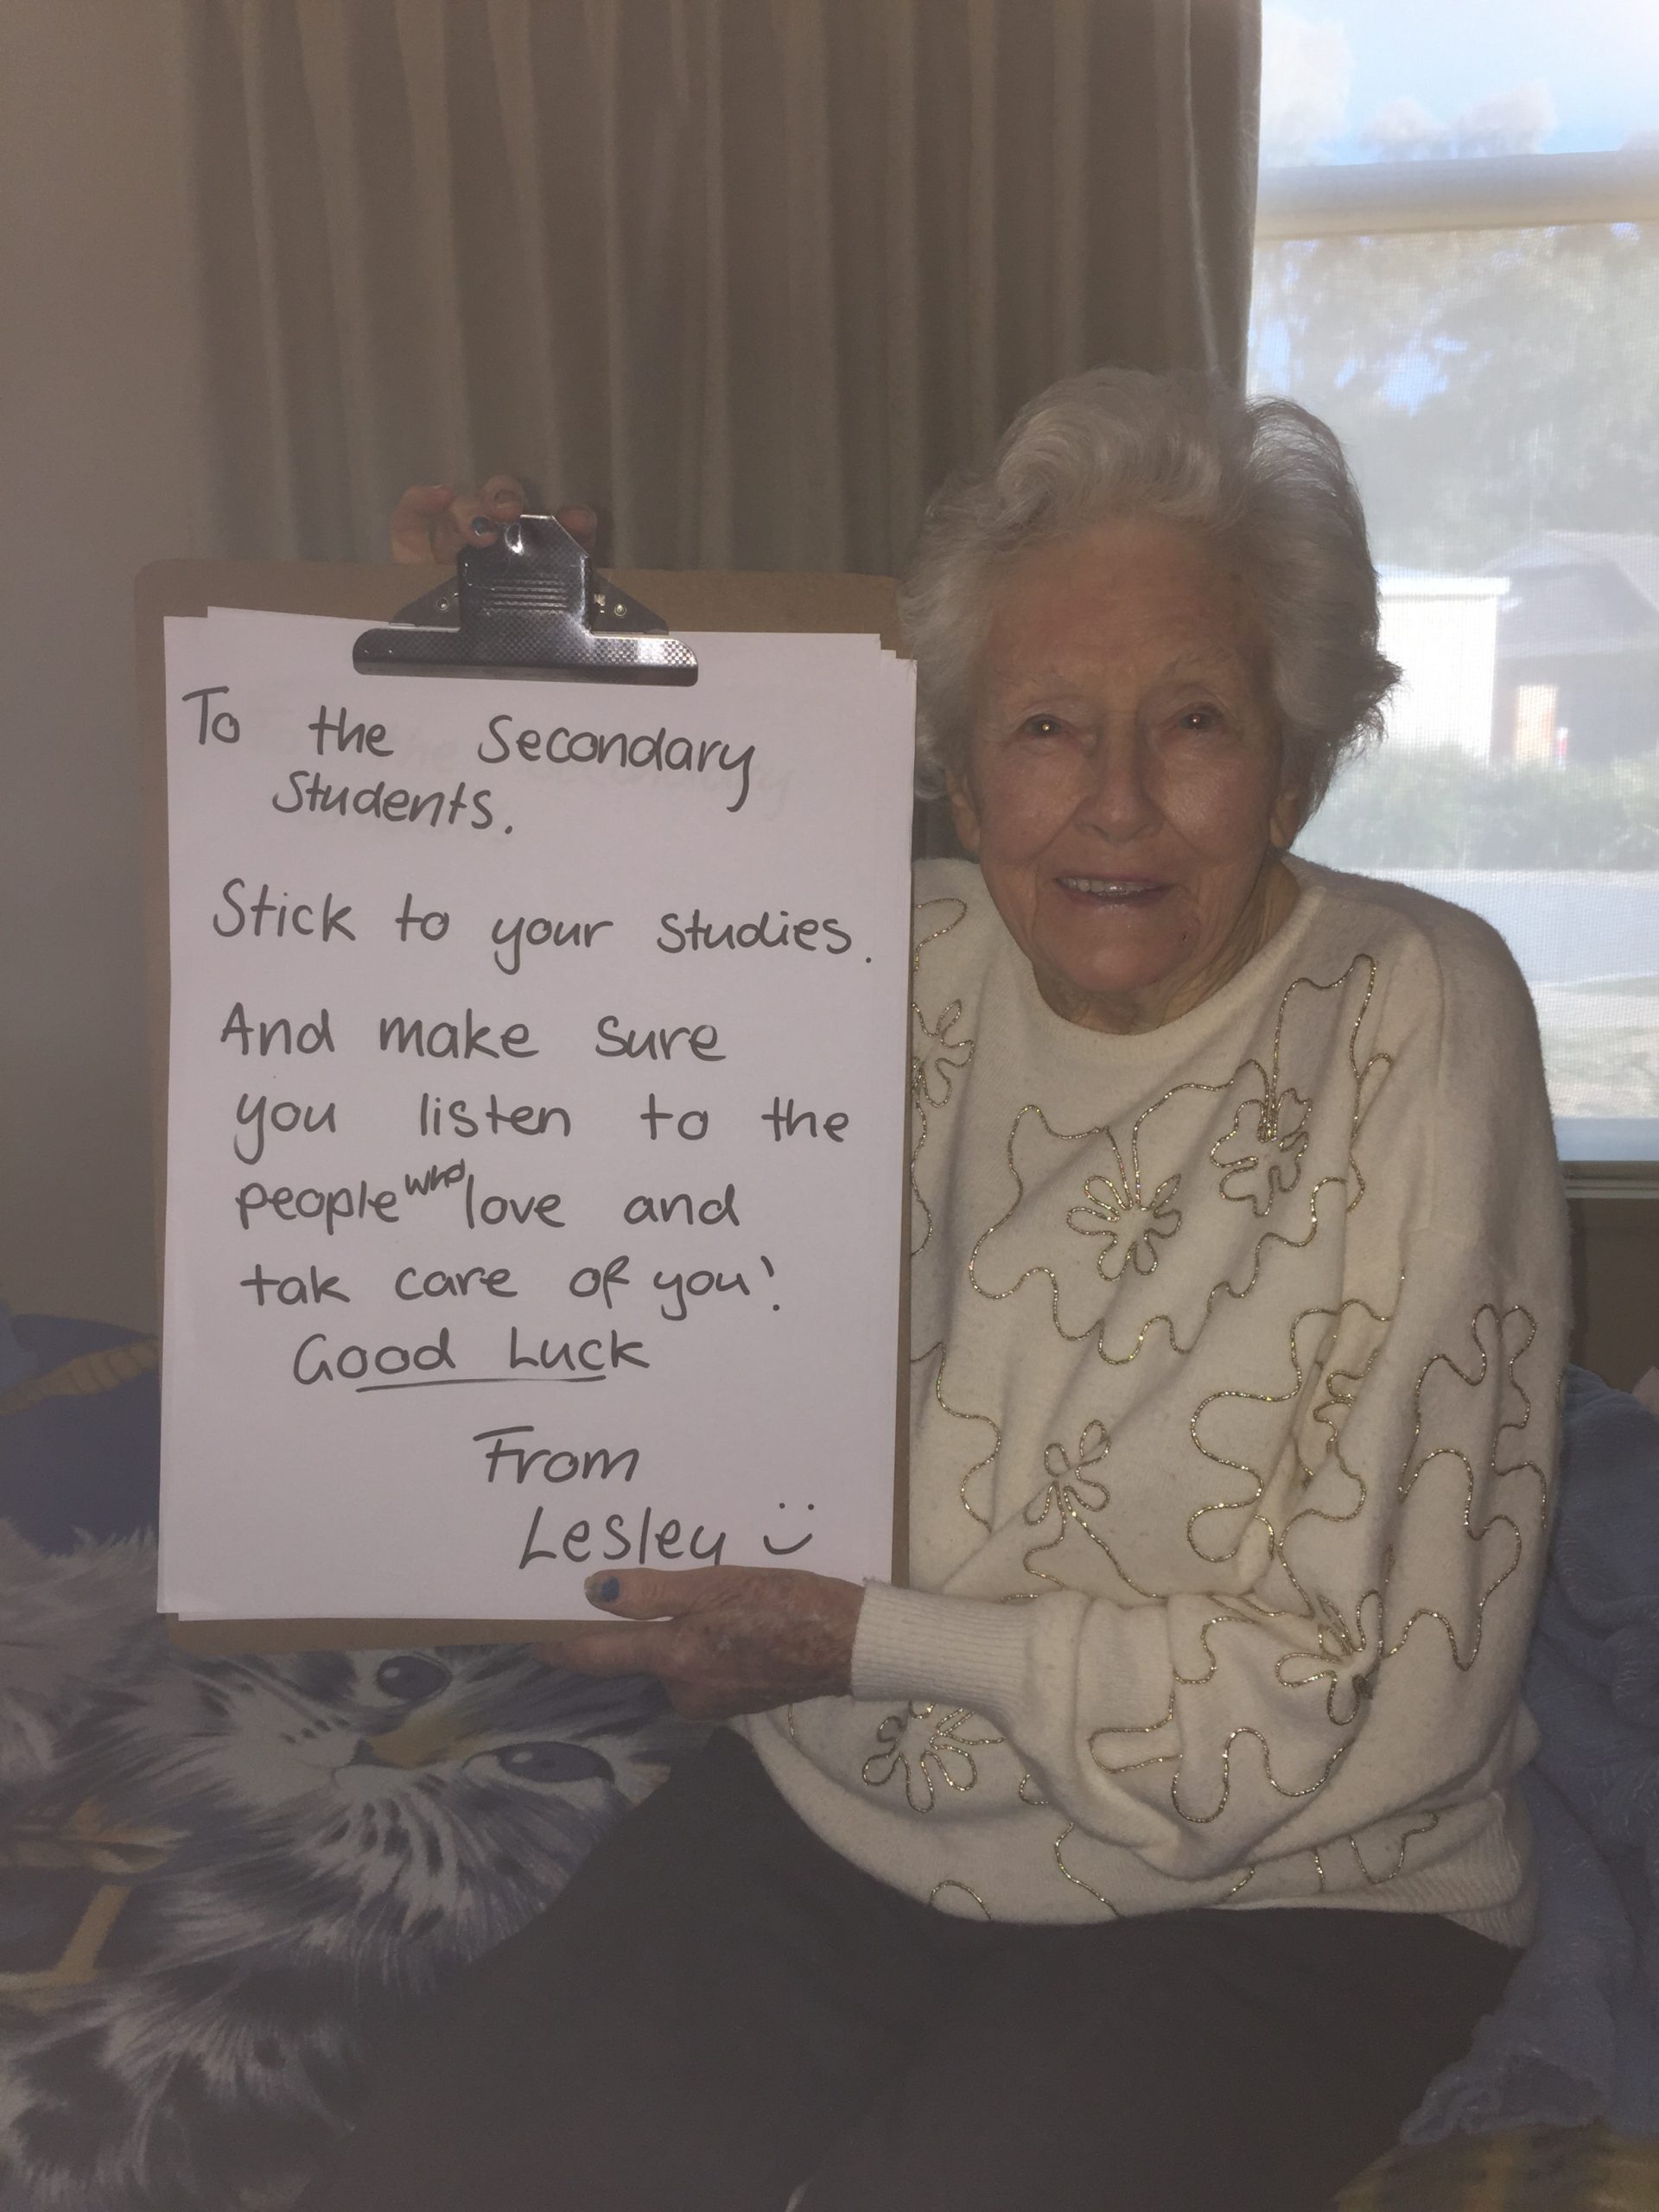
[721,1639]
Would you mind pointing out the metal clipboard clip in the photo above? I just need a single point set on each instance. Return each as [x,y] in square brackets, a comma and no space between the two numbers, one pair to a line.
[528,606]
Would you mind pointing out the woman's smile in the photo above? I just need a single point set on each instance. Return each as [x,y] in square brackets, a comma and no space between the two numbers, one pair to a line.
[1112,890]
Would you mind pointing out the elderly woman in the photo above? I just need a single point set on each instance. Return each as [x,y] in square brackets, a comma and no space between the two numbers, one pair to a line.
[1159,1843]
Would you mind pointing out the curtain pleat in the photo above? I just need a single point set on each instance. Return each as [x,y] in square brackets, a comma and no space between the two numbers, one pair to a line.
[749,275]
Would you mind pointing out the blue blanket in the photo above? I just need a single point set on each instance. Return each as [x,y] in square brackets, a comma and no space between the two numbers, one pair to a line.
[1577,2037]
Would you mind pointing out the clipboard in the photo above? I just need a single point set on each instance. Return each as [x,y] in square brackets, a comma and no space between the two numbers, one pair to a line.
[777,602]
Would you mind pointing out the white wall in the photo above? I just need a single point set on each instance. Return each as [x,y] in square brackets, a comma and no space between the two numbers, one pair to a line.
[1443,632]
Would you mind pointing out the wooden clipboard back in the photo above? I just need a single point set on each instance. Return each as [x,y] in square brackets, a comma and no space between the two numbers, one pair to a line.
[686,600]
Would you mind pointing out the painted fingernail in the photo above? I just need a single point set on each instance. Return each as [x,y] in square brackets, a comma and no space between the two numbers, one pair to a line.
[604,1590]
[482,527]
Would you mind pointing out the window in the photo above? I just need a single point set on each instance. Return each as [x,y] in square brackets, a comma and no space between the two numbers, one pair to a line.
[1458,267]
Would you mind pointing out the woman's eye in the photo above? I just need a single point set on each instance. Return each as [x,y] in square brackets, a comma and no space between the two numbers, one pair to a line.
[1200,719]
[1042,726]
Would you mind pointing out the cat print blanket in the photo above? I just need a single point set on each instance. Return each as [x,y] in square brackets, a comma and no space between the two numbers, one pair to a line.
[225,1883]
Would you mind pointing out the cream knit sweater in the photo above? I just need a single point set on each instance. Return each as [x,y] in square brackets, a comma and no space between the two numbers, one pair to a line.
[1236,1348]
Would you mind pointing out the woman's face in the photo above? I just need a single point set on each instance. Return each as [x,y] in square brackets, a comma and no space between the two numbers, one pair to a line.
[1121,791]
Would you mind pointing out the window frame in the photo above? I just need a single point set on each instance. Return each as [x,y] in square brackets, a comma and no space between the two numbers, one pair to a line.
[1511,192]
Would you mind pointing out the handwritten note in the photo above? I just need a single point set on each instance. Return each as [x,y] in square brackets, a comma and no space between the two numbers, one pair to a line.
[536,1122]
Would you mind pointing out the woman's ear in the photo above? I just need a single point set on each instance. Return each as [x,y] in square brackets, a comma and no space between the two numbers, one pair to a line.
[1286,818]
[965,814]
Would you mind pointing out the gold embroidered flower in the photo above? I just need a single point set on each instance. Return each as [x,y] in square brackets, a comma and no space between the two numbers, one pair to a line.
[1260,1156]
[938,1056]
[1342,1491]
[939,1755]
[1072,1492]
[1346,1659]
[1132,1224]
[1469,1485]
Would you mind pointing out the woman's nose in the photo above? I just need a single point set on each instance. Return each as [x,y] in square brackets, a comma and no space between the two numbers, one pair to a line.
[1118,802]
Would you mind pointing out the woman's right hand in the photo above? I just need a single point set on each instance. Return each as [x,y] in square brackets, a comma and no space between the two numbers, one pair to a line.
[432,522]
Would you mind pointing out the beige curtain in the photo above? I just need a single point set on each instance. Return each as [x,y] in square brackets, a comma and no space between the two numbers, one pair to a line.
[749,275]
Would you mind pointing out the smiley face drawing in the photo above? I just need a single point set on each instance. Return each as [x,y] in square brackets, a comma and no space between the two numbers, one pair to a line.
[783,1551]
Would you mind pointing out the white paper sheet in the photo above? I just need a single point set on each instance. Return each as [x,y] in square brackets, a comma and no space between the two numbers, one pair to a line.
[439,1339]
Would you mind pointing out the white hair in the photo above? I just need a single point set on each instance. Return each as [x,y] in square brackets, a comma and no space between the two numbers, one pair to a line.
[1263,478]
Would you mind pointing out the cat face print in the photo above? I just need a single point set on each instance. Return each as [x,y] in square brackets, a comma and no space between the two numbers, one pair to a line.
[396,1802]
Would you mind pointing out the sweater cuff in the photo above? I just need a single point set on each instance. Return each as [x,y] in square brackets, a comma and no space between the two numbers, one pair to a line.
[917,1643]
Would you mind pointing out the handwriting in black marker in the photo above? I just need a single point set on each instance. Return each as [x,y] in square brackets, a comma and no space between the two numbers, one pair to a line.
[623,1540]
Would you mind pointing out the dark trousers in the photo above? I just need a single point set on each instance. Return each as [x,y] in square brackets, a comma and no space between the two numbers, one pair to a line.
[719,2008]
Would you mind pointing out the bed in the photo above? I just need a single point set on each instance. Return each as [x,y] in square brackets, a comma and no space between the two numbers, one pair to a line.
[225,1883]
